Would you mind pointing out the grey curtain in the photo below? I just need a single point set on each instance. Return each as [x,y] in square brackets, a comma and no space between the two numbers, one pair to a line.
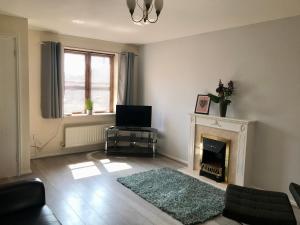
[51,80]
[126,78]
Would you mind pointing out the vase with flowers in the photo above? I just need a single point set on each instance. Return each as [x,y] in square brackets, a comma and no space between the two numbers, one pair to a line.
[223,97]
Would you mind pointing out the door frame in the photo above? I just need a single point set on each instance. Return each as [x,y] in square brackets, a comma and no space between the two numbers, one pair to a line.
[16,40]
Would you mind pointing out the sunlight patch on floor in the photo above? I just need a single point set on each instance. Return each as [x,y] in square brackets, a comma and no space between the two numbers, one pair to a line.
[103,161]
[84,170]
[114,166]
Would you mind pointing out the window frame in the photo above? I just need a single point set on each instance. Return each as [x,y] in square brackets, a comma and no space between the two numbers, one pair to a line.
[88,73]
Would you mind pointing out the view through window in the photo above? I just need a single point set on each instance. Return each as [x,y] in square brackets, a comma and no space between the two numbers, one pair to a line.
[88,75]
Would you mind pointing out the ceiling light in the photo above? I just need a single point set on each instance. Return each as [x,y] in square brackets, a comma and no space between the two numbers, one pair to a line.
[146,7]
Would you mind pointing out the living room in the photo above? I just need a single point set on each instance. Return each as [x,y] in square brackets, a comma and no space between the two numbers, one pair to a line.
[166,67]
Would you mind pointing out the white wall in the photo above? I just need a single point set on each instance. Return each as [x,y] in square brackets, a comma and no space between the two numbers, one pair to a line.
[19,27]
[264,62]
[49,133]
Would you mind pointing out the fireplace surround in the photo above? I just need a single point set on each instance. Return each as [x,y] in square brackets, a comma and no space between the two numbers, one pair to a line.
[240,133]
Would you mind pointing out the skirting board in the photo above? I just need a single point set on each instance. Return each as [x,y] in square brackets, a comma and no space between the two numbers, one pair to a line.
[174,158]
[25,172]
[66,151]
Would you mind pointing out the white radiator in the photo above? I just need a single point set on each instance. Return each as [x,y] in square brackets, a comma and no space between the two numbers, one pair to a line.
[76,136]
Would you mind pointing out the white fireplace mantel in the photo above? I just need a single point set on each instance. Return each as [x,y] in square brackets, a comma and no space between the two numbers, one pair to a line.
[245,134]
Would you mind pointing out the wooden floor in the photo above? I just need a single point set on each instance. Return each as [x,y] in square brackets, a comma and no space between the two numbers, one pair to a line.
[78,199]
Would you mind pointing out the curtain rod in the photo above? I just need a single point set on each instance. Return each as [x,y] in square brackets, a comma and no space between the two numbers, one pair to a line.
[84,49]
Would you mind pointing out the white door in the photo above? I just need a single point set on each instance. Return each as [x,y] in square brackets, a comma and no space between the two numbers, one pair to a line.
[8,108]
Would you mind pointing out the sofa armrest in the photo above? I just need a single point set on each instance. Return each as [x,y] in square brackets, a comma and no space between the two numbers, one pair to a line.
[21,195]
[295,190]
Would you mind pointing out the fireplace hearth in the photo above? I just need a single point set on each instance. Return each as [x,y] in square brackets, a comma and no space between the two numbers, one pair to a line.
[214,158]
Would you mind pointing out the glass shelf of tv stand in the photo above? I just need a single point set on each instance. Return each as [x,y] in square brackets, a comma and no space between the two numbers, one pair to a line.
[140,129]
[131,140]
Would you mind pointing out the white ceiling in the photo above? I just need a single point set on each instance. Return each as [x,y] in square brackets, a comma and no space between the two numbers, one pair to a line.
[110,20]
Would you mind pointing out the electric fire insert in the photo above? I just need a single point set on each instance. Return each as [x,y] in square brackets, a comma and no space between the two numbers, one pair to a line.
[214,158]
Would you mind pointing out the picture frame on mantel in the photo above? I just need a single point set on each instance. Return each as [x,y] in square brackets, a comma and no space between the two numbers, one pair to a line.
[202,104]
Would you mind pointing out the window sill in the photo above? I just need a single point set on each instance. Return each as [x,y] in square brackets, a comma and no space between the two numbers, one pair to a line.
[87,115]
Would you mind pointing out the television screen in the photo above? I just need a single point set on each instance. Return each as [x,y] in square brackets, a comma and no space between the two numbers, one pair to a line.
[133,116]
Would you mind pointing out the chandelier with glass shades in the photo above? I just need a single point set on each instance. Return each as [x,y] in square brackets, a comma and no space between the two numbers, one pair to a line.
[146,7]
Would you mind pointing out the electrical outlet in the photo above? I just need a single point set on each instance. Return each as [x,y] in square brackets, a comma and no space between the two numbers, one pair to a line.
[33,138]
[62,144]
[38,143]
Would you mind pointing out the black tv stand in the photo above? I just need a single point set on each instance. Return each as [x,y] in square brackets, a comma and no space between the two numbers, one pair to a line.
[131,140]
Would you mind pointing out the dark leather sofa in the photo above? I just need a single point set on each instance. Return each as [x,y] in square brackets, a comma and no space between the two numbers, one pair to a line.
[23,203]
[295,190]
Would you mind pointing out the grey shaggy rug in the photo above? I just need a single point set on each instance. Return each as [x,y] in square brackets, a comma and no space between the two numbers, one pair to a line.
[183,197]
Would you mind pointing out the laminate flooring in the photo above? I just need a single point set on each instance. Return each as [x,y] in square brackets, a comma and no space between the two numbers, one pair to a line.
[81,189]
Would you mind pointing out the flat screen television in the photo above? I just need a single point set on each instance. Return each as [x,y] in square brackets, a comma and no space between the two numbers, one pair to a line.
[133,116]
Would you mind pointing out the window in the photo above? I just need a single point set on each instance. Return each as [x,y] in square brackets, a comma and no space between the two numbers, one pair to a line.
[88,75]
